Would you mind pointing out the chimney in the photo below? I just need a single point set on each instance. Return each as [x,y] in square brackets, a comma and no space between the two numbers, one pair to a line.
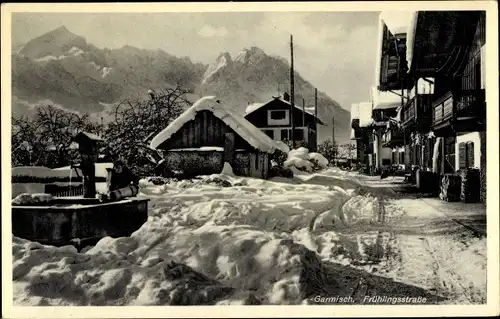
[286,97]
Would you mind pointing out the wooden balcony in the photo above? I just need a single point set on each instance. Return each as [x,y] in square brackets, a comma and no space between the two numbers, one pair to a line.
[416,114]
[384,115]
[459,111]
[393,137]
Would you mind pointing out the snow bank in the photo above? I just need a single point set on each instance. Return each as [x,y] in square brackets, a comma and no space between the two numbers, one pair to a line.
[360,208]
[31,199]
[356,209]
[199,241]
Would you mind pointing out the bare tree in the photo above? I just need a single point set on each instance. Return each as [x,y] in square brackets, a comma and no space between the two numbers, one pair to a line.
[329,150]
[134,123]
[45,139]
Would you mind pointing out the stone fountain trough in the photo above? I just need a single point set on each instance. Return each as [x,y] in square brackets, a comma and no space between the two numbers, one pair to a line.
[78,221]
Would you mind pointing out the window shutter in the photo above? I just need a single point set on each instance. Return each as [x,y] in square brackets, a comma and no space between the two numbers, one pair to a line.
[470,154]
[462,155]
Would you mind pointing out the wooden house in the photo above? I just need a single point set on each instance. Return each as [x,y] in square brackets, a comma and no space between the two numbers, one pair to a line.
[451,52]
[274,119]
[362,133]
[207,135]
[388,139]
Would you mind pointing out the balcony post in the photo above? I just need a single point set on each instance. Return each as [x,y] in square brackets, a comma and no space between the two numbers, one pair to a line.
[415,103]
[454,104]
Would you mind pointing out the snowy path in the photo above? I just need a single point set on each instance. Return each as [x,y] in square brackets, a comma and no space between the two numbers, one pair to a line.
[437,253]
[438,246]
[231,240]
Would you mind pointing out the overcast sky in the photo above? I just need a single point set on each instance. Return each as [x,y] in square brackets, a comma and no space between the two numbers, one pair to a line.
[335,51]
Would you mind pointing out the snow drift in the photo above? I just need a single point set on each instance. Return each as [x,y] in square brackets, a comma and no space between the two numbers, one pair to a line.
[256,242]
[301,159]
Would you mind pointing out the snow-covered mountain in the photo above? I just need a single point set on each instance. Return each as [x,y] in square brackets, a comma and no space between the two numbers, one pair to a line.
[62,68]
[253,77]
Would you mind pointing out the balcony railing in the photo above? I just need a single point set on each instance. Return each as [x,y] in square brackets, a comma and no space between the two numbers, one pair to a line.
[418,111]
[392,137]
[408,112]
[459,105]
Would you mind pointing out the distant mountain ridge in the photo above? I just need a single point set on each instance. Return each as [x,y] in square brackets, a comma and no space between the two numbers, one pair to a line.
[62,67]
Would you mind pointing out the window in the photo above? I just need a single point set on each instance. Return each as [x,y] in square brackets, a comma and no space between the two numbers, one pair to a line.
[278,117]
[449,154]
[299,134]
[278,114]
[284,135]
[470,154]
[466,155]
[269,133]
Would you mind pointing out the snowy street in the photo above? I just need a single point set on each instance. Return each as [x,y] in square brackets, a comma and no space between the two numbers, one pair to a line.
[233,240]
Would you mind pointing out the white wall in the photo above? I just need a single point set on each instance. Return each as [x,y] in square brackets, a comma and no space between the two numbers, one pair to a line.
[469,137]
[381,152]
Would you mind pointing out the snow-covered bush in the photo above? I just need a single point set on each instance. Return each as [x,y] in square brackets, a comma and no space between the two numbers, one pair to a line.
[301,159]
[318,160]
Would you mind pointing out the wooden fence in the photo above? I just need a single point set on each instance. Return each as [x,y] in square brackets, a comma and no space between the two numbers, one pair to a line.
[64,190]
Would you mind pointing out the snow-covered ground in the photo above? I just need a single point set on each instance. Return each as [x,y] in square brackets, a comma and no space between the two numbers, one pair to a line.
[231,240]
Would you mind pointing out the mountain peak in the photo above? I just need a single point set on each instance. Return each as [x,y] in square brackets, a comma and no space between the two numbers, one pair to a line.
[53,43]
[61,29]
[256,50]
[59,34]
[223,61]
[248,54]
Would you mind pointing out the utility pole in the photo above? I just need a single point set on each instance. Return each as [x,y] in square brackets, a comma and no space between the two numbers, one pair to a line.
[304,132]
[333,134]
[102,126]
[292,92]
[316,117]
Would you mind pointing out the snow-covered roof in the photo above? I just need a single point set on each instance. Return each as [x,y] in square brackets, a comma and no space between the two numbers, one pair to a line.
[397,21]
[365,114]
[385,100]
[251,134]
[354,111]
[252,107]
[91,136]
[410,38]
[255,106]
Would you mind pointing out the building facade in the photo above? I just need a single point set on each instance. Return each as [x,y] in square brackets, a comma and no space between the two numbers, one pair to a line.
[441,79]
[274,118]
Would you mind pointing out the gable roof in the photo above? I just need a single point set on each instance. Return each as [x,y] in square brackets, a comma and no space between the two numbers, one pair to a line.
[386,100]
[251,134]
[255,106]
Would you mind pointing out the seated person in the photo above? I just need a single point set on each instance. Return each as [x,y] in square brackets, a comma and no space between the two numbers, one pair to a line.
[121,176]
